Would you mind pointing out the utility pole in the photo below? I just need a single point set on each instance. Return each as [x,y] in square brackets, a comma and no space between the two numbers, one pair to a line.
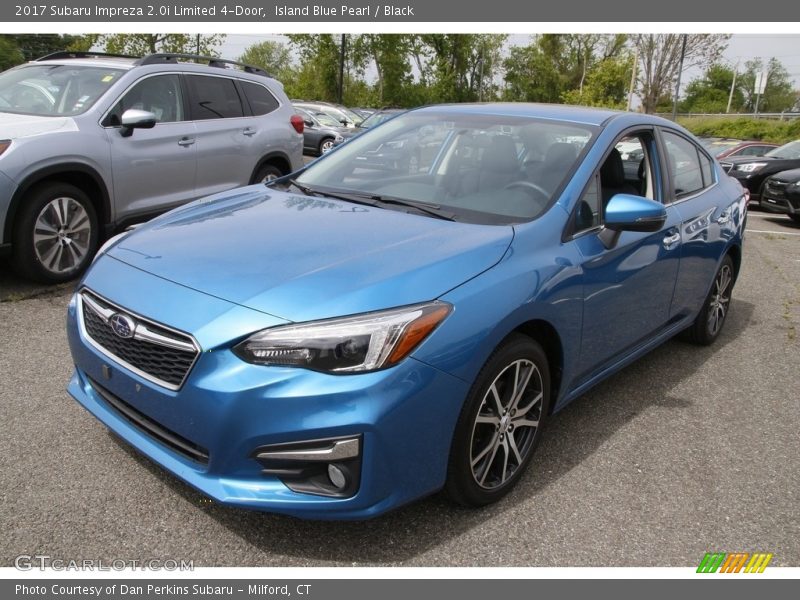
[678,84]
[733,86]
[198,44]
[633,78]
[341,68]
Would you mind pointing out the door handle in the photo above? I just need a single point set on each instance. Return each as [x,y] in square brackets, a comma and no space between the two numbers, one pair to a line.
[186,142]
[249,131]
[670,240]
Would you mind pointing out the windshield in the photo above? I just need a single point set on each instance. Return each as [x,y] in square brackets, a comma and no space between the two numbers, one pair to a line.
[54,90]
[481,168]
[377,119]
[326,120]
[790,151]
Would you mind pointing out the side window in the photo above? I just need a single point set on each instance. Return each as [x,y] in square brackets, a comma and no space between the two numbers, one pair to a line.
[627,169]
[683,162]
[213,98]
[261,101]
[160,95]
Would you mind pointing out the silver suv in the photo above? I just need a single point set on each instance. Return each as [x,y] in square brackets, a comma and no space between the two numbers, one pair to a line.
[92,142]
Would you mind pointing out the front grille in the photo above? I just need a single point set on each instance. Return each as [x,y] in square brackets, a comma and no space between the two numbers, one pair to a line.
[776,189]
[169,438]
[164,357]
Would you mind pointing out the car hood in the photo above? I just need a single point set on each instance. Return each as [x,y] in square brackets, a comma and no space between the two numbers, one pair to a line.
[302,258]
[13,126]
[787,176]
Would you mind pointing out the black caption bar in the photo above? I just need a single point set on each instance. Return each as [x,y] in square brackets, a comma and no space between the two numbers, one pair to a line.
[398,589]
[360,11]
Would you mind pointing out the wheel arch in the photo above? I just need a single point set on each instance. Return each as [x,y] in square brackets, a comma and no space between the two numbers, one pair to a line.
[80,175]
[278,159]
[735,252]
[544,333]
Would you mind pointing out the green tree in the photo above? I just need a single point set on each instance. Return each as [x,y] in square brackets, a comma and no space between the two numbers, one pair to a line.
[778,94]
[461,67]
[318,77]
[274,57]
[10,54]
[391,56]
[140,44]
[660,61]
[710,93]
[606,84]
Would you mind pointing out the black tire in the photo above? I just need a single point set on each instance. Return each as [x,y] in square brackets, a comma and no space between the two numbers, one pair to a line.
[709,322]
[325,146]
[267,173]
[795,218]
[483,465]
[68,249]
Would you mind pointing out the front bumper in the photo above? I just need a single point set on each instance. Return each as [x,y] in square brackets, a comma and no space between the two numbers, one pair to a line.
[403,417]
[780,200]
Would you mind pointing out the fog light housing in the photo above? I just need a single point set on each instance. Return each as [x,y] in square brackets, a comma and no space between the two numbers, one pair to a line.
[324,467]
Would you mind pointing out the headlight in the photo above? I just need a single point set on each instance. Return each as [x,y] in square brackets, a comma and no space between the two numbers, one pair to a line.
[4,144]
[365,342]
[339,138]
[750,167]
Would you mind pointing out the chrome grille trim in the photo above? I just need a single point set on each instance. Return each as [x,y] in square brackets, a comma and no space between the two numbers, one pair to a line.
[147,331]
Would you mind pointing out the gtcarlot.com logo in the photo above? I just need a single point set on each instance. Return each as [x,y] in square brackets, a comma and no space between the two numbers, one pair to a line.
[734,562]
[29,562]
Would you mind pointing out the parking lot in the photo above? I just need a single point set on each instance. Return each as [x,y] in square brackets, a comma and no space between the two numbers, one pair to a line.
[688,450]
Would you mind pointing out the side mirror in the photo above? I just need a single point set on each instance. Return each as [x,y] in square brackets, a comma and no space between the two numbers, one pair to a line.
[308,122]
[626,212]
[344,122]
[134,118]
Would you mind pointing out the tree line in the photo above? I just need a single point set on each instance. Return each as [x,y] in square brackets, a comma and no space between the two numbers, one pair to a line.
[405,70]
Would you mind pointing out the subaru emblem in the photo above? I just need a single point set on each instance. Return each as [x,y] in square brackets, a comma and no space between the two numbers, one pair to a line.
[122,325]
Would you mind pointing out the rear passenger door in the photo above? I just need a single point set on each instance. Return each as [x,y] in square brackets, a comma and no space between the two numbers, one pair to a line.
[225,134]
[704,212]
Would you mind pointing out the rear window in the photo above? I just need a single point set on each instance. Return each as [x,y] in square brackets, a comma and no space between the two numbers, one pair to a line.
[261,100]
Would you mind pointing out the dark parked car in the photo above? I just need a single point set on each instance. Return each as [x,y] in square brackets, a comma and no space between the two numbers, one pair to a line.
[343,341]
[782,194]
[321,130]
[752,172]
[728,148]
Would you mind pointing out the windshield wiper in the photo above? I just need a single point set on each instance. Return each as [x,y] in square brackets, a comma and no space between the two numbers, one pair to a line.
[303,188]
[434,210]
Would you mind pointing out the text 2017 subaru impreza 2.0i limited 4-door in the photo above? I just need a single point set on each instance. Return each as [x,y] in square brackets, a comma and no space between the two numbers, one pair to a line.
[347,339]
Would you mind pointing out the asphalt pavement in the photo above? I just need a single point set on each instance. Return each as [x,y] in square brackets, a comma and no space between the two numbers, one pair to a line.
[688,450]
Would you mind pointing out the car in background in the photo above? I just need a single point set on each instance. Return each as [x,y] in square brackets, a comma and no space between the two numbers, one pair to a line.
[344,340]
[362,112]
[782,194]
[320,131]
[724,147]
[375,119]
[91,142]
[342,114]
[752,172]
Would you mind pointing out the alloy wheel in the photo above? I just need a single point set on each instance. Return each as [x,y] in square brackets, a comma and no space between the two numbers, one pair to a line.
[720,299]
[62,234]
[506,424]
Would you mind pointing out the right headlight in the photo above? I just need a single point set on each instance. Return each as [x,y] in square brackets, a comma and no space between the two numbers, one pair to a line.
[359,343]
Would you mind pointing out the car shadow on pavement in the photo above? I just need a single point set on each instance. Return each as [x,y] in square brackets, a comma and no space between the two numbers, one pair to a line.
[573,435]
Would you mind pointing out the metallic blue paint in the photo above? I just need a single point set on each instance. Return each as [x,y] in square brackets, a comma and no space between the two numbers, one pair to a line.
[226,267]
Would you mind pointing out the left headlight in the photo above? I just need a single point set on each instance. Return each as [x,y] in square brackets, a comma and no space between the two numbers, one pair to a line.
[361,343]
[751,167]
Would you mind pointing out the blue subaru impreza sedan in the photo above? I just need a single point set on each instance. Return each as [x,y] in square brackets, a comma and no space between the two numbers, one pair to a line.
[362,333]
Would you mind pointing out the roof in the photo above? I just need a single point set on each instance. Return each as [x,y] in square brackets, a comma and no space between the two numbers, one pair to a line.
[558,112]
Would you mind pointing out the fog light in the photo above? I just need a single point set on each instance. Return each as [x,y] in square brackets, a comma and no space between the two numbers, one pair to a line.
[336,476]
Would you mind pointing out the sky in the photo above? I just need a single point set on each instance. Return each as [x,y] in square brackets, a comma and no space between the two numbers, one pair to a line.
[741,48]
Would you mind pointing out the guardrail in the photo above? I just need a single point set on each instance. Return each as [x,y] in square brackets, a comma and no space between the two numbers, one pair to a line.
[782,116]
